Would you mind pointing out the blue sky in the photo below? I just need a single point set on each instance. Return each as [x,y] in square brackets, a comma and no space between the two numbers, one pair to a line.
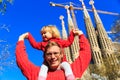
[30,15]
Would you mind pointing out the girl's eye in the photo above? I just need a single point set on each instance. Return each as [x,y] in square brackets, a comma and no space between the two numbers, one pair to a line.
[43,33]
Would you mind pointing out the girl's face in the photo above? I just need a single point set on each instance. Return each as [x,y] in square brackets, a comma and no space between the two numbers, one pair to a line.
[46,36]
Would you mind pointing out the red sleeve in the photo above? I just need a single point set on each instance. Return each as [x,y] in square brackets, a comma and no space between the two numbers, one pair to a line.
[83,60]
[22,60]
[36,45]
[68,41]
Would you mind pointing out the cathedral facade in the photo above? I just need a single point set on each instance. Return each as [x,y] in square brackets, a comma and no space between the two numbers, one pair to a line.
[102,48]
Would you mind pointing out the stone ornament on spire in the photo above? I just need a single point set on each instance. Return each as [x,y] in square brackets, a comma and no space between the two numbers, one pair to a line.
[82,3]
[91,2]
[85,11]
[67,8]
[52,4]
[61,18]
[71,6]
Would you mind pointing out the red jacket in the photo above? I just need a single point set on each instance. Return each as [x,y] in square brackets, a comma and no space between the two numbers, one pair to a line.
[62,43]
[31,71]
[41,45]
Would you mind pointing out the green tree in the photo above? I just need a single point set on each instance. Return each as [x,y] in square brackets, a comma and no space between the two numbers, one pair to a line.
[112,70]
[3,5]
[5,57]
[115,30]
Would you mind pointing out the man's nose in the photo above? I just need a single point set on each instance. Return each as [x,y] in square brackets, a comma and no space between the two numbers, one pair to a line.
[53,56]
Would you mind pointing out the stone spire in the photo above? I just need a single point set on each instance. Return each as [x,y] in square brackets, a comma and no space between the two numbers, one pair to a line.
[104,41]
[96,53]
[73,15]
[64,36]
[74,48]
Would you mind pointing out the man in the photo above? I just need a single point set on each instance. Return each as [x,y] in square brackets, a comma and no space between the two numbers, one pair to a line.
[53,56]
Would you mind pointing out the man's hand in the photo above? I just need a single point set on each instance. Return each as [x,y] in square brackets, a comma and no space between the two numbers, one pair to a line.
[77,32]
[23,36]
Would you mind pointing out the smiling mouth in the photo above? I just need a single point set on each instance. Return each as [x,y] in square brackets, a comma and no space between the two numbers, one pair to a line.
[53,61]
[44,38]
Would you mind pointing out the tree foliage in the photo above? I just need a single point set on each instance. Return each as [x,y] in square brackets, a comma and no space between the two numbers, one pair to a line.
[115,30]
[4,4]
[6,59]
[106,71]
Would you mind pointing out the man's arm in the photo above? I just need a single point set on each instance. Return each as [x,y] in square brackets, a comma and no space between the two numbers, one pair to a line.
[83,60]
[85,52]
[22,58]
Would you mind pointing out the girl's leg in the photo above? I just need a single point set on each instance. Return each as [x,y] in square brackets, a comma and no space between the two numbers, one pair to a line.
[68,71]
[43,72]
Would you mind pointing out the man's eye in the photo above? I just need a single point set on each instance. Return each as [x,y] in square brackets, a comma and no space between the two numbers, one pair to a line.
[48,54]
[55,52]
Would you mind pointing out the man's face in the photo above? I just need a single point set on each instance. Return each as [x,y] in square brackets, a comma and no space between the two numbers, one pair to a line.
[53,57]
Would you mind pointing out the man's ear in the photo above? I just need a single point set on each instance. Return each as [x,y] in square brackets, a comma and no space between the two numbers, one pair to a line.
[62,55]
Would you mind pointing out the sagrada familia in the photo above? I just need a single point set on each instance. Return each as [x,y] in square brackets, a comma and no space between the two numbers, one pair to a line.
[101,45]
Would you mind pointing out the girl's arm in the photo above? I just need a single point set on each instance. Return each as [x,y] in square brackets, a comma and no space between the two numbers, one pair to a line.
[36,45]
[67,42]
[70,39]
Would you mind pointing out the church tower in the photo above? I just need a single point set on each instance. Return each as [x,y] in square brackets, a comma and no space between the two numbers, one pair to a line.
[64,36]
[74,48]
[104,42]
[101,46]
[96,53]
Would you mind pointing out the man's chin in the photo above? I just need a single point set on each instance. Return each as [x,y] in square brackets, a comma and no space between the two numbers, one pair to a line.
[54,67]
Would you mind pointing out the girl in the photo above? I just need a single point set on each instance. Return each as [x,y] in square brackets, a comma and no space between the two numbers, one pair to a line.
[51,33]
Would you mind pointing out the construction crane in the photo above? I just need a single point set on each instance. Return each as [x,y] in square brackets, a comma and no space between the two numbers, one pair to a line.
[80,8]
